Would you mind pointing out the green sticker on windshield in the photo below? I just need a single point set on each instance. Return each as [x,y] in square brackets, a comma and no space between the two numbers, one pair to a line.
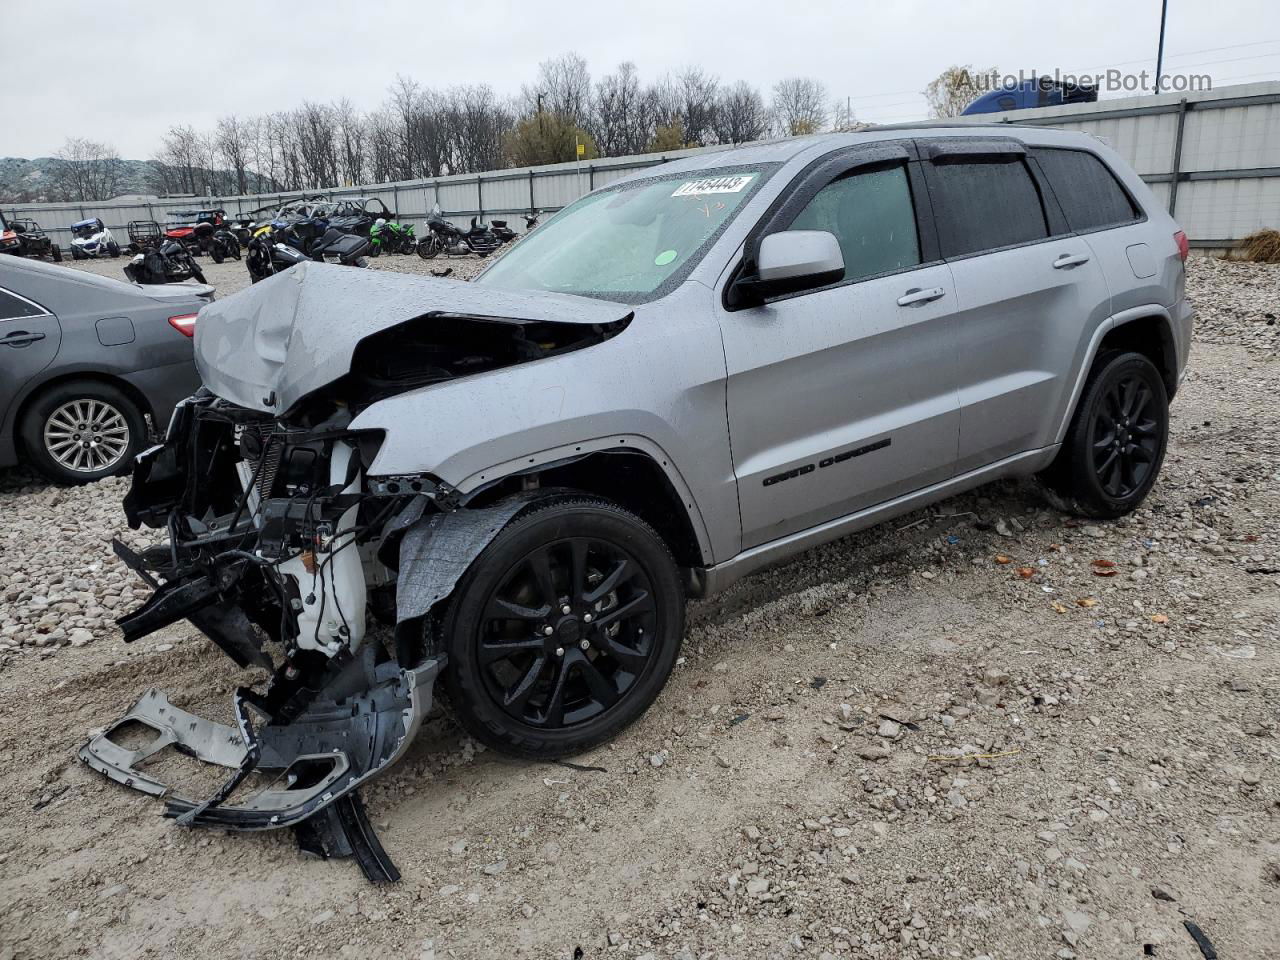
[665,257]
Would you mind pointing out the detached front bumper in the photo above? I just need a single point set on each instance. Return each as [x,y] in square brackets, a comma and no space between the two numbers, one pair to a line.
[313,765]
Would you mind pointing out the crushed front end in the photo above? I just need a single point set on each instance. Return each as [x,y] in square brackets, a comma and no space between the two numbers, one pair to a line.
[277,549]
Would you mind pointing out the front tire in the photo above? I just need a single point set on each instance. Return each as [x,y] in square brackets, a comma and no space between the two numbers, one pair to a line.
[1116,443]
[563,631]
[428,247]
[83,430]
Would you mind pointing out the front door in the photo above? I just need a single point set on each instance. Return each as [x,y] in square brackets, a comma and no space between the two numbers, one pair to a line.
[844,397]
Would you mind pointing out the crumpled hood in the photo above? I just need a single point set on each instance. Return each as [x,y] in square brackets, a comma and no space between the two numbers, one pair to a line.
[270,345]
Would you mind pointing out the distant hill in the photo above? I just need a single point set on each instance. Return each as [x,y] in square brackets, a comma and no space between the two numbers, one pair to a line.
[27,181]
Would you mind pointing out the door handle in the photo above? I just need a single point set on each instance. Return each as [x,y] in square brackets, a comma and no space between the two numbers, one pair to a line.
[915,297]
[1068,260]
[21,338]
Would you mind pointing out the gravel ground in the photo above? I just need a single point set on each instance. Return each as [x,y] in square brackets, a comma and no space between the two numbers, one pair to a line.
[981,730]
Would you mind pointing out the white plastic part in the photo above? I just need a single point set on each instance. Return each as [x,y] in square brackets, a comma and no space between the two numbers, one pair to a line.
[334,596]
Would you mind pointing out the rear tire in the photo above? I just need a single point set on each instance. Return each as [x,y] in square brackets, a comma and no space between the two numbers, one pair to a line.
[216,253]
[197,272]
[57,253]
[601,665]
[1115,446]
[51,435]
[114,250]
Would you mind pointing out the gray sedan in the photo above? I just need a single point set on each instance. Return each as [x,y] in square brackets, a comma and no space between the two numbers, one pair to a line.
[84,360]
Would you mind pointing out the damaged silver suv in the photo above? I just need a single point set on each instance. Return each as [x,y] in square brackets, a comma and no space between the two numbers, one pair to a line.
[681,378]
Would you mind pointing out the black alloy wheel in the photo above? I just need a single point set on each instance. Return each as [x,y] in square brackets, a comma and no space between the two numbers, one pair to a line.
[567,632]
[564,630]
[1115,444]
[1126,436]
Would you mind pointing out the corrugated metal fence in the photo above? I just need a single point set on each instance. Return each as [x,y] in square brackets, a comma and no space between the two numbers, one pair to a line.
[1213,158]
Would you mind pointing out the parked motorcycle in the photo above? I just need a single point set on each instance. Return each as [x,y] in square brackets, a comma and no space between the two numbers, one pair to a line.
[388,236]
[273,249]
[218,242]
[92,238]
[166,261]
[502,232]
[453,241]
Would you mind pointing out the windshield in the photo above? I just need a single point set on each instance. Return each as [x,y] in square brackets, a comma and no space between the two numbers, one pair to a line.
[632,242]
[85,230]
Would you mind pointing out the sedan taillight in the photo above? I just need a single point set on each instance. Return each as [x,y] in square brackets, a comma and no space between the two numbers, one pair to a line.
[184,323]
[1184,247]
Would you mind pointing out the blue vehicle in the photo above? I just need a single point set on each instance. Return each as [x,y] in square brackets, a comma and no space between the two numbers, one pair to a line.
[1035,92]
[91,238]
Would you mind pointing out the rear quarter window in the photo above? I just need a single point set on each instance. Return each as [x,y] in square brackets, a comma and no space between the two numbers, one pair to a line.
[15,308]
[1086,189]
[982,205]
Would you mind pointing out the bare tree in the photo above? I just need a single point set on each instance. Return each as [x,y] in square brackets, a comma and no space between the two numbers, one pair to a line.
[351,133]
[178,161]
[233,147]
[420,132]
[698,98]
[622,119]
[383,145]
[476,122]
[563,87]
[317,148]
[957,87]
[740,114]
[843,118]
[87,170]
[799,106]
[406,105]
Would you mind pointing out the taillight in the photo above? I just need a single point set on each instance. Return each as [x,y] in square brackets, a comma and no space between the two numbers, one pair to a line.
[1184,247]
[184,323]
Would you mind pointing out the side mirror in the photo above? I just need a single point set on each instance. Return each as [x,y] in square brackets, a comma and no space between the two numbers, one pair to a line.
[788,262]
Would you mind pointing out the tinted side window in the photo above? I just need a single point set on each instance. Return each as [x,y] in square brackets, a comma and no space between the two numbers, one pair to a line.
[1086,189]
[984,205]
[13,308]
[871,215]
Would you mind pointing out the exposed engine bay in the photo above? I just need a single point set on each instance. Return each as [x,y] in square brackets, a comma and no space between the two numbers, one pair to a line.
[282,550]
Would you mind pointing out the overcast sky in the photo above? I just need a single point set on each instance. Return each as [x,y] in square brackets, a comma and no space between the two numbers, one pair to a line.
[123,72]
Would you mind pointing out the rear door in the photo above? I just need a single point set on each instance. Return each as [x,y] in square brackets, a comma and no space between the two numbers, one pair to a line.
[1100,210]
[1026,291]
[29,340]
[843,397]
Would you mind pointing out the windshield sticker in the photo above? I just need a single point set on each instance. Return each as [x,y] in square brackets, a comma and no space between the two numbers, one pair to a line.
[665,257]
[714,185]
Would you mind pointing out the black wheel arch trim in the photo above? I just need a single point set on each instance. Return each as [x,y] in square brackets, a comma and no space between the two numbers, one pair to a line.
[1112,323]
[567,454]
